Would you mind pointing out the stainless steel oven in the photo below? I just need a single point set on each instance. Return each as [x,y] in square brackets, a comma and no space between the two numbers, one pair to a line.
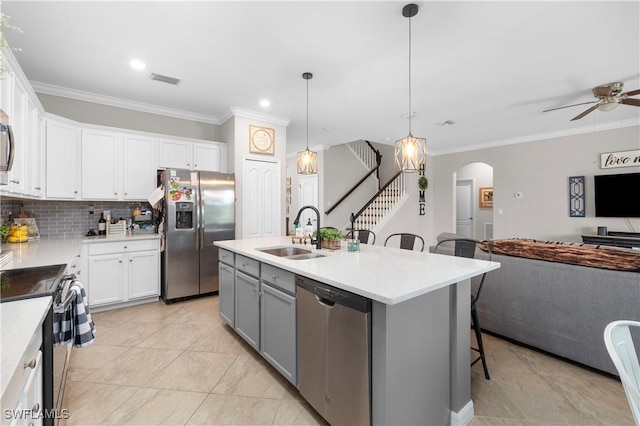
[41,281]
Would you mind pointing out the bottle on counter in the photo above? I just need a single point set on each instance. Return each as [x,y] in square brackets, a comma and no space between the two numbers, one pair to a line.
[308,230]
[102,225]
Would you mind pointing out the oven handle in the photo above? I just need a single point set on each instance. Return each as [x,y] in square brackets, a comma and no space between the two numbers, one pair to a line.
[58,309]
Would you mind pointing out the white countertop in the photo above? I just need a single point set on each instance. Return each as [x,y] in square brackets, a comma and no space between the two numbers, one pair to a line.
[384,274]
[19,322]
[56,251]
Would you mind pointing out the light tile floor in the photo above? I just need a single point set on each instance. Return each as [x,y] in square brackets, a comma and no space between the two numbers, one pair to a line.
[179,364]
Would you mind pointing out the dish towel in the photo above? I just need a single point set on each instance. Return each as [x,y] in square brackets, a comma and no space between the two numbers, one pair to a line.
[74,324]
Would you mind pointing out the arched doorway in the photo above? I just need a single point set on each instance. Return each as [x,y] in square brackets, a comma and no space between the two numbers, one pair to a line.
[474,201]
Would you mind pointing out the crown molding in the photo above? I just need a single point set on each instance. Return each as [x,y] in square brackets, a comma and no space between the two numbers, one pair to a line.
[542,136]
[254,115]
[50,89]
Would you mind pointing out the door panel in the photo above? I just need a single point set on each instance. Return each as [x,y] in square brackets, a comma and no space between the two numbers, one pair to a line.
[464,208]
[261,201]
[308,197]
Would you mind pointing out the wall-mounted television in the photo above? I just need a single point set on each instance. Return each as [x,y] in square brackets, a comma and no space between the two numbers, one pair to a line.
[617,195]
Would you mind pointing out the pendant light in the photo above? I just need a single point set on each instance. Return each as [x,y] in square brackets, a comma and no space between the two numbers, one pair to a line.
[307,160]
[410,151]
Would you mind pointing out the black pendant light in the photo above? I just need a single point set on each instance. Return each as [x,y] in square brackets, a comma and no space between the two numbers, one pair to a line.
[307,160]
[410,151]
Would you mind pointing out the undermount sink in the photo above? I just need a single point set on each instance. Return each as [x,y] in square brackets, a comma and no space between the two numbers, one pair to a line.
[293,253]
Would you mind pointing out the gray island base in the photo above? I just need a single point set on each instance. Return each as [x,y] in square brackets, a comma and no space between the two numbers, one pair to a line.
[420,334]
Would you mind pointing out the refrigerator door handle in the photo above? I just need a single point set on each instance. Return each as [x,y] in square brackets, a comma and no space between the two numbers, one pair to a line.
[200,238]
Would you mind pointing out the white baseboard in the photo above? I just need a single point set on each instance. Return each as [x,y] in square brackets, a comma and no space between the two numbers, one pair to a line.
[464,416]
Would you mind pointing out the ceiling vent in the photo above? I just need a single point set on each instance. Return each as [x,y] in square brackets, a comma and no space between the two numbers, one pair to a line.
[165,78]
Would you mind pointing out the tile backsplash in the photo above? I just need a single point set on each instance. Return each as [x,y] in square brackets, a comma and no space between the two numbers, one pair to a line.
[67,218]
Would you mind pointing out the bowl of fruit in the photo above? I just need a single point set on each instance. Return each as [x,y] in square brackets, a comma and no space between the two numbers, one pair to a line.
[15,233]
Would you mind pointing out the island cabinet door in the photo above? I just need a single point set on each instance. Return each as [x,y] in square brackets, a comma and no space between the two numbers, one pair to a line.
[278,331]
[227,293]
[247,315]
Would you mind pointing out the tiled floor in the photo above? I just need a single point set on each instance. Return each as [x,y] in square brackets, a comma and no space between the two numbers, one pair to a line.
[178,364]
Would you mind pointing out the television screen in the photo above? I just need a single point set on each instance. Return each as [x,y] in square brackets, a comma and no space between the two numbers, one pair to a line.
[617,195]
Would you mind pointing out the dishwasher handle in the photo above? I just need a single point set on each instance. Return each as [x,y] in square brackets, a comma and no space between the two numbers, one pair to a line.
[325,302]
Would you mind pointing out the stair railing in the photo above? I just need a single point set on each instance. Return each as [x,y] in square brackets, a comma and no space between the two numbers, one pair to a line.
[396,182]
[375,170]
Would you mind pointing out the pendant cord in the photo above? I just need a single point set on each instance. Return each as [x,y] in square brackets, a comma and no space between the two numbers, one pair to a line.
[410,113]
[307,114]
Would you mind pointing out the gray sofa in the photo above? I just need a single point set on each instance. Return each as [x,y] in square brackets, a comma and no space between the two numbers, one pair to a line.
[559,308]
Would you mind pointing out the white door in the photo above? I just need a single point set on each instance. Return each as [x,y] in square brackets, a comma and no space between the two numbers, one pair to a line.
[464,208]
[308,196]
[261,203]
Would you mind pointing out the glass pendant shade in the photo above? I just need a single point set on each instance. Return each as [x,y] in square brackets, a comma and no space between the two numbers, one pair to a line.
[411,153]
[307,162]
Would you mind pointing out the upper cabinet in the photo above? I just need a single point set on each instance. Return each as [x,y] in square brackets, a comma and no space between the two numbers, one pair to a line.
[176,154]
[62,160]
[139,167]
[101,165]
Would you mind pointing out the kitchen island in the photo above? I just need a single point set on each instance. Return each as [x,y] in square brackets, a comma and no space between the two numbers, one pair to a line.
[420,357]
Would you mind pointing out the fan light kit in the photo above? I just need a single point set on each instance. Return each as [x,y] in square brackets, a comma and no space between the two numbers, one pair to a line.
[609,98]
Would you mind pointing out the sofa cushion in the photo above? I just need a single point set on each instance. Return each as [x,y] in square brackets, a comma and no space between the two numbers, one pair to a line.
[603,257]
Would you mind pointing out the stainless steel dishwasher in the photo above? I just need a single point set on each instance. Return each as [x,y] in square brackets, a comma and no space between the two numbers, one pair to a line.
[334,352]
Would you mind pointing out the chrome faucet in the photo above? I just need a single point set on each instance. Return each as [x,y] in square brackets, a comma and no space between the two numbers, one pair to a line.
[297,221]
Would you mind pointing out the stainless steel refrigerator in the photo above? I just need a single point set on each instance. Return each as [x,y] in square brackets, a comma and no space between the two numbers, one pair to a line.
[199,208]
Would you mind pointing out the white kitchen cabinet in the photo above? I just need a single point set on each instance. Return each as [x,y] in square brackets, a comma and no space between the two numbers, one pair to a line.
[106,279]
[101,165]
[191,155]
[19,126]
[139,167]
[143,274]
[32,396]
[122,272]
[207,157]
[35,160]
[62,160]
[6,89]
[117,166]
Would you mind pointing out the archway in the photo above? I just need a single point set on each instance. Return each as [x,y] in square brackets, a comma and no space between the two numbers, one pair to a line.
[474,200]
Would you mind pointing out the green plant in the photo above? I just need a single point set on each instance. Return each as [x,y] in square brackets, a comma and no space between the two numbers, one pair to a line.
[330,233]
[423,183]
[5,25]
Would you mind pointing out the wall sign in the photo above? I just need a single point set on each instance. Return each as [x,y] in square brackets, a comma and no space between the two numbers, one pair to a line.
[610,160]
[261,140]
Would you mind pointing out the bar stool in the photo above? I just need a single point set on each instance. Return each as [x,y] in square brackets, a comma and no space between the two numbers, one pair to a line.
[466,247]
[407,241]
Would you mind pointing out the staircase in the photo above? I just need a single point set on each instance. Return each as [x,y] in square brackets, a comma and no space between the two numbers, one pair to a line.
[381,207]
[365,152]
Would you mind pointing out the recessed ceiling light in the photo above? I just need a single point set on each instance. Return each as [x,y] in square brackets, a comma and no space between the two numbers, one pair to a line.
[137,64]
[265,103]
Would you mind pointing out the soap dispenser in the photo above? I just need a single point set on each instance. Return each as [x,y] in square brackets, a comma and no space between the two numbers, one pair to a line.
[308,230]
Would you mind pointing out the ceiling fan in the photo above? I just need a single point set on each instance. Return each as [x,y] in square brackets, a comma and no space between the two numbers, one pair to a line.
[609,97]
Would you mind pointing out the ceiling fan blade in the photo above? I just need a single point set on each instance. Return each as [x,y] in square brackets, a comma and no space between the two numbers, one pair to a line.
[631,93]
[629,101]
[569,106]
[579,116]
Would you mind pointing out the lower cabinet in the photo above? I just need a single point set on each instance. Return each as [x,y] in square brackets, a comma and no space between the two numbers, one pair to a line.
[278,330]
[226,293]
[259,302]
[123,271]
[248,309]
